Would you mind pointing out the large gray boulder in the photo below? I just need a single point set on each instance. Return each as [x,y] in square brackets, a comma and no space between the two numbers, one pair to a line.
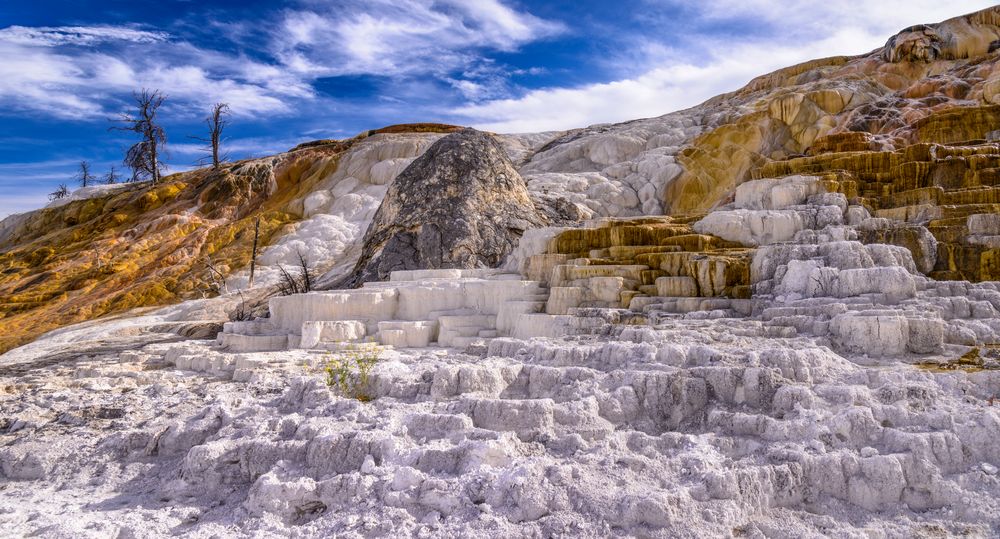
[462,204]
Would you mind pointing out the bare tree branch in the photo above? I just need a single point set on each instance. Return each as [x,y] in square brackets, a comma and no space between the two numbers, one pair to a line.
[306,276]
[112,177]
[61,192]
[216,123]
[253,254]
[217,276]
[84,177]
[296,284]
[145,156]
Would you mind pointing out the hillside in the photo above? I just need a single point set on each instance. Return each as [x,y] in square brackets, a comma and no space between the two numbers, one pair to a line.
[884,125]
[145,245]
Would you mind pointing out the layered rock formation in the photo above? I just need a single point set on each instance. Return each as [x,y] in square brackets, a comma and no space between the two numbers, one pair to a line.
[805,347]
[462,204]
[907,130]
[828,404]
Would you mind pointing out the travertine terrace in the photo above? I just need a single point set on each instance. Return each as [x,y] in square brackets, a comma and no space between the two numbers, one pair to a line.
[772,315]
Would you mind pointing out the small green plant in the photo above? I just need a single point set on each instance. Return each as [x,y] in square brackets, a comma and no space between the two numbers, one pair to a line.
[349,371]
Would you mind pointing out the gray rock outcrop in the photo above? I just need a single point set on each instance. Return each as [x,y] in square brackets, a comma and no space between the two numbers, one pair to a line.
[460,205]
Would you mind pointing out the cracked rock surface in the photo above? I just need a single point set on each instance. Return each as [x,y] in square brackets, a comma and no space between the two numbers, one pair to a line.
[462,204]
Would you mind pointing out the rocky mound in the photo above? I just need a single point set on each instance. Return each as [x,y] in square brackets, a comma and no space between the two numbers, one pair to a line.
[460,205]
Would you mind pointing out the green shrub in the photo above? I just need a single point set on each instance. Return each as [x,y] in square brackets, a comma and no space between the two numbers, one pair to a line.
[349,371]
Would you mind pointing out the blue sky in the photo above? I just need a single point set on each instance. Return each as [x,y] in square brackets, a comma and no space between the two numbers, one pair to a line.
[302,70]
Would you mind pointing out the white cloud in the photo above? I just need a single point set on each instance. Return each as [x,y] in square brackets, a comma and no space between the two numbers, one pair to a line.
[76,72]
[25,186]
[50,36]
[20,168]
[193,85]
[59,72]
[43,80]
[249,146]
[706,66]
[398,37]
[882,17]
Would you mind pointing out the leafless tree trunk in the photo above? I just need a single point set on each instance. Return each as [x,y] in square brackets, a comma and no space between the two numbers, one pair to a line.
[84,176]
[217,276]
[216,123]
[144,157]
[307,278]
[253,254]
[111,177]
[302,284]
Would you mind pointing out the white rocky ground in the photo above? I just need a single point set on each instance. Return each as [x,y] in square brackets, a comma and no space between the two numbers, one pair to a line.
[804,416]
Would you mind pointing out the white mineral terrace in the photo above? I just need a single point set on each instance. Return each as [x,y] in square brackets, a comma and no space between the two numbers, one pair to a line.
[809,274]
[535,405]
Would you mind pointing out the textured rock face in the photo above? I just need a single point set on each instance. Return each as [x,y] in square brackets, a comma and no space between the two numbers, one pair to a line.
[910,131]
[460,205]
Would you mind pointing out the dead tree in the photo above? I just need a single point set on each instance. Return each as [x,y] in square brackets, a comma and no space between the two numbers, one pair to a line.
[253,253]
[306,273]
[145,156]
[84,177]
[218,277]
[216,123]
[112,177]
[296,284]
[61,192]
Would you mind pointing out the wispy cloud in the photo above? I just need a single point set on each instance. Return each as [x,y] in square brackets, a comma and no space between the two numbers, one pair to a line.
[11,204]
[81,72]
[51,36]
[250,146]
[883,17]
[418,55]
[21,176]
[25,186]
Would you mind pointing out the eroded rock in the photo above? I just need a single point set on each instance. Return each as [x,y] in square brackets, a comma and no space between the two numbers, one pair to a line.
[462,204]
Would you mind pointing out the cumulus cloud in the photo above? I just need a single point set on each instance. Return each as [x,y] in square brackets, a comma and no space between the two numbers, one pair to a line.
[703,64]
